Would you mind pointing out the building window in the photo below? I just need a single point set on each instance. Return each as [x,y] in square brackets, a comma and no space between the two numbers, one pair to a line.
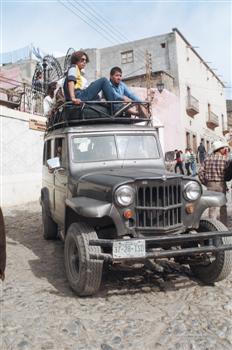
[194,143]
[127,57]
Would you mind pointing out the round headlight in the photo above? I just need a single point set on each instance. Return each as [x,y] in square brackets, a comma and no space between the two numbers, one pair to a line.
[192,191]
[124,196]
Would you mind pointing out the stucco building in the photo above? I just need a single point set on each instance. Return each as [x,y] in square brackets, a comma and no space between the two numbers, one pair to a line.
[229,113]
[199,110]
[192,106]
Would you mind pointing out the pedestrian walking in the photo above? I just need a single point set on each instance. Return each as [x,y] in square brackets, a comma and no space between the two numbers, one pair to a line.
[187,161]
[212,175]
[201,152]
[193,163]
[179,161]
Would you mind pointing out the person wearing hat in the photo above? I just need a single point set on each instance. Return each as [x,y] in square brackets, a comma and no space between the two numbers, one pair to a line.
[212,175]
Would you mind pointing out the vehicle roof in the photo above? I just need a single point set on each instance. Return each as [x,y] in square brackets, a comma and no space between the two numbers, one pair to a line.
[100,128]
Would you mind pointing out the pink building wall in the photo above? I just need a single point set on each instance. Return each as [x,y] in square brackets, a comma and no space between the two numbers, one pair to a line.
[9,79]
[166,111]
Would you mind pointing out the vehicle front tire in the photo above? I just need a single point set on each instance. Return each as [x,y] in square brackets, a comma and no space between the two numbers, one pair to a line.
[84,274]
[221,266]
[50,228]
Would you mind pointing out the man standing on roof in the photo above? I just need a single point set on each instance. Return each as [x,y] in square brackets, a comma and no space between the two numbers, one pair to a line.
[212,175]
[122,92]
[76,88]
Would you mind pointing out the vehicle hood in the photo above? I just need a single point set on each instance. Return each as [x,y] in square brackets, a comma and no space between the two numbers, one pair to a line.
[101,184]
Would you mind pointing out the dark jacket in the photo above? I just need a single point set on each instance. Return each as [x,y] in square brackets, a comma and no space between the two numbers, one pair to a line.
[2,246]
[228,172]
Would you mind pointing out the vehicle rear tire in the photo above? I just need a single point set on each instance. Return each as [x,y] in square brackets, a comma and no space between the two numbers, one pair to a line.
[221,267]
[50,228]
[84,274]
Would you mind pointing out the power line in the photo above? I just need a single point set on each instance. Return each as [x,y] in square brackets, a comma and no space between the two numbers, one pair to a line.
[94,24]
[135,71]
[108,25]
[68,8]
[200,87]
[93,21]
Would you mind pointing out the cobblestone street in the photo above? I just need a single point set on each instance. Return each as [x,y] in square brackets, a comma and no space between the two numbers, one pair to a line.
[135,309]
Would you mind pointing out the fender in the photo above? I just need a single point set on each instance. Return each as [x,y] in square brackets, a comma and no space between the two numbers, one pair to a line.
[89,207]
[208,199]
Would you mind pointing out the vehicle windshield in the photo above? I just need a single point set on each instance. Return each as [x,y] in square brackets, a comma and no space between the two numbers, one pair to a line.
[112,147]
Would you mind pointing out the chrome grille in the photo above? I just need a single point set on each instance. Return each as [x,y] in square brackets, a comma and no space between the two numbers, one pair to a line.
[159,204]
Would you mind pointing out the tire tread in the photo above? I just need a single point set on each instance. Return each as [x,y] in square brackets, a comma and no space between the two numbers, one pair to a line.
[222,266]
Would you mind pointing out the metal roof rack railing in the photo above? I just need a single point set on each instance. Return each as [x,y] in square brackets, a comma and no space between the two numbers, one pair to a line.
[98,112]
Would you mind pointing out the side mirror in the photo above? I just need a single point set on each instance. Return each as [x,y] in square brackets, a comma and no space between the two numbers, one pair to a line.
[170,156]
[53,163]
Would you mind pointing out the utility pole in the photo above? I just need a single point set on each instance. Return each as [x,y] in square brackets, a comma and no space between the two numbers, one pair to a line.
[148,75]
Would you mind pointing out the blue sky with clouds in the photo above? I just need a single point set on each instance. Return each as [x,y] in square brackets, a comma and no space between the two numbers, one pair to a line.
[52,27]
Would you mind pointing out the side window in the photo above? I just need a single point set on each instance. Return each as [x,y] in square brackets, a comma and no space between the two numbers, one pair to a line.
[47,152]
[60,150]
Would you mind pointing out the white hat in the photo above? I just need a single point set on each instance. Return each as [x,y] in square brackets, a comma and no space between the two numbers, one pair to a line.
[219,144]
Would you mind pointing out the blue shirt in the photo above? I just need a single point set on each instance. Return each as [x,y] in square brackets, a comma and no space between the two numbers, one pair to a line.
[122,90]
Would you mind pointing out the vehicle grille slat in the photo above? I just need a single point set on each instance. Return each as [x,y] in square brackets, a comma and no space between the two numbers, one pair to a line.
[159,204]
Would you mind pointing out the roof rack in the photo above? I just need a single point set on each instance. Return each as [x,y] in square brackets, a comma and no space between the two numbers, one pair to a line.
[99,112]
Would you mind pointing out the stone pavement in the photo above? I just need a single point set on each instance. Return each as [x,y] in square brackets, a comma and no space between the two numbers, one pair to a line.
[135,309]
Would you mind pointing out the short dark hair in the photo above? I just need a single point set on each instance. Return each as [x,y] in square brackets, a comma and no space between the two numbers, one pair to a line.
[77,55]
[114,70]
[51,89]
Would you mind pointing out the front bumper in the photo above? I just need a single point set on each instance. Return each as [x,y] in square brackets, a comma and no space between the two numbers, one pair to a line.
[168,246]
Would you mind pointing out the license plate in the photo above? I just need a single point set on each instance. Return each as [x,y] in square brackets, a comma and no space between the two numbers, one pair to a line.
[129,249]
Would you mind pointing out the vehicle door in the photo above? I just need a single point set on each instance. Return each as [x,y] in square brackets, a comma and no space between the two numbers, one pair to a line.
[48,174]
[60,179]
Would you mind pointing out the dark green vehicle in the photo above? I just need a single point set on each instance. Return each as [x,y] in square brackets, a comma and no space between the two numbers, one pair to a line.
[106,193]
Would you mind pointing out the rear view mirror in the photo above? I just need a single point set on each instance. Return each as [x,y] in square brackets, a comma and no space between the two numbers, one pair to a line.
[54,163]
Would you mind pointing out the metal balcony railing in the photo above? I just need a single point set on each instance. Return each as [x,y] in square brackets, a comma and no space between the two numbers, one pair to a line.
[18,95]
[192,105]
[225,129]
[212,120]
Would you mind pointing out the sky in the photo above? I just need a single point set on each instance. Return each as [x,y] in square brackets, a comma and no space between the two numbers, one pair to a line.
[56,25]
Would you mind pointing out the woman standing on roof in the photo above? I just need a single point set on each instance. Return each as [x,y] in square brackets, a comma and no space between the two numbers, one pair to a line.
[76,88]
